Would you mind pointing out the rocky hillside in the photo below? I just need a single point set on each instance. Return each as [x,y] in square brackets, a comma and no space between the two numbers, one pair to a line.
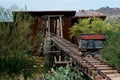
[109,11]
[113,14]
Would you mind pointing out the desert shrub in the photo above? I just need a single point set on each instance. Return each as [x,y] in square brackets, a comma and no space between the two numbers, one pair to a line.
[111,51]
[47,48]
[5,76]
[89,26]
[17,66]
[64,73]
[114,21]
[16,46]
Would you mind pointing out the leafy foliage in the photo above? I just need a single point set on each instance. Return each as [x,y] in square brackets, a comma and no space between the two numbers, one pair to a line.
[89,26]
[6,14]
[114,21]
[5,76]
[47,47]
[13,66]
[16,46]
[14,37]
[64,74]
[111,52]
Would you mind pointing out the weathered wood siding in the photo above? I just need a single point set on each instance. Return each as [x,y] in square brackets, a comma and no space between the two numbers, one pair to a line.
[66,26]
[36,26]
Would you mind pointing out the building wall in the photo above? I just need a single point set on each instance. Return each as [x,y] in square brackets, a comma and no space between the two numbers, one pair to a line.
[67,24]
[36,26]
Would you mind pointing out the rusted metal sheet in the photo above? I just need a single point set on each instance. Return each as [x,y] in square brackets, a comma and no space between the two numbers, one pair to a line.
[67,24]
[36,26]
[42,13]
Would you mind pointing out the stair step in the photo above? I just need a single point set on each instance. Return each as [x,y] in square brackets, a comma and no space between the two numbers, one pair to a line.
[104,68]
[109,71]
[97,63]
[101,65]
[114,75]
[62,62]
[116,78]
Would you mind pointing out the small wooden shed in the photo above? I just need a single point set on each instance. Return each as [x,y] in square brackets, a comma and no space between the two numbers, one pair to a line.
[81,14]
[56,22]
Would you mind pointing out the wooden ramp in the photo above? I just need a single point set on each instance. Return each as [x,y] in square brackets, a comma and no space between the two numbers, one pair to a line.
[95,68]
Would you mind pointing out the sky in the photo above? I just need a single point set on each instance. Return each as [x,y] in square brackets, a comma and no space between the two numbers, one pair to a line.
[41,5]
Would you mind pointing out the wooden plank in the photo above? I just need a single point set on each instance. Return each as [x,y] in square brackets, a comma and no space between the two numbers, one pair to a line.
[61,27]
[100,65]
[62,62]
[53,15]
[54,51]
[104,68]
[94,61]
[102,79]
[114,75]
[86,65]
[72,51]
[116,78]
[48,24]
[97,63]
[109,71]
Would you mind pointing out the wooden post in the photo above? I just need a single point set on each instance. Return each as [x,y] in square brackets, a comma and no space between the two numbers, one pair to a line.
[55,26]
[58,28]
[61,27]
[48,26]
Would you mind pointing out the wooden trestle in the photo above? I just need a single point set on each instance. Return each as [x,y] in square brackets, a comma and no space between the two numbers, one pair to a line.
[95,68]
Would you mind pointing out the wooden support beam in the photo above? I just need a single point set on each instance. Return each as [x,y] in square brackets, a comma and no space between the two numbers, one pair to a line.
[58,27]
[53,15]
[61,27]
[54,52]
[60,62]
[48,26]
[52,45]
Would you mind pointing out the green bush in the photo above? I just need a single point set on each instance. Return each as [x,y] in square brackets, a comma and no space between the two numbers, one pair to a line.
[64,74]
[16,46]
[17,66]
[47,48]
[111,51]
[5,76]
[89,26]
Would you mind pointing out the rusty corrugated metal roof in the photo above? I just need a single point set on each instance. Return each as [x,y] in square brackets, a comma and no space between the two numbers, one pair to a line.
[74,14]
[86,13]
[57,12]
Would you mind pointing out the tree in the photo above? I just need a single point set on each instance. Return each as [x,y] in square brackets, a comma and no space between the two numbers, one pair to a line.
[111,52]
[6,14]
[114,21]
[90,26]
[16,46]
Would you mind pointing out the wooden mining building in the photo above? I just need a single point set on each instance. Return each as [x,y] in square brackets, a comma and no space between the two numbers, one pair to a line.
[58,22]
